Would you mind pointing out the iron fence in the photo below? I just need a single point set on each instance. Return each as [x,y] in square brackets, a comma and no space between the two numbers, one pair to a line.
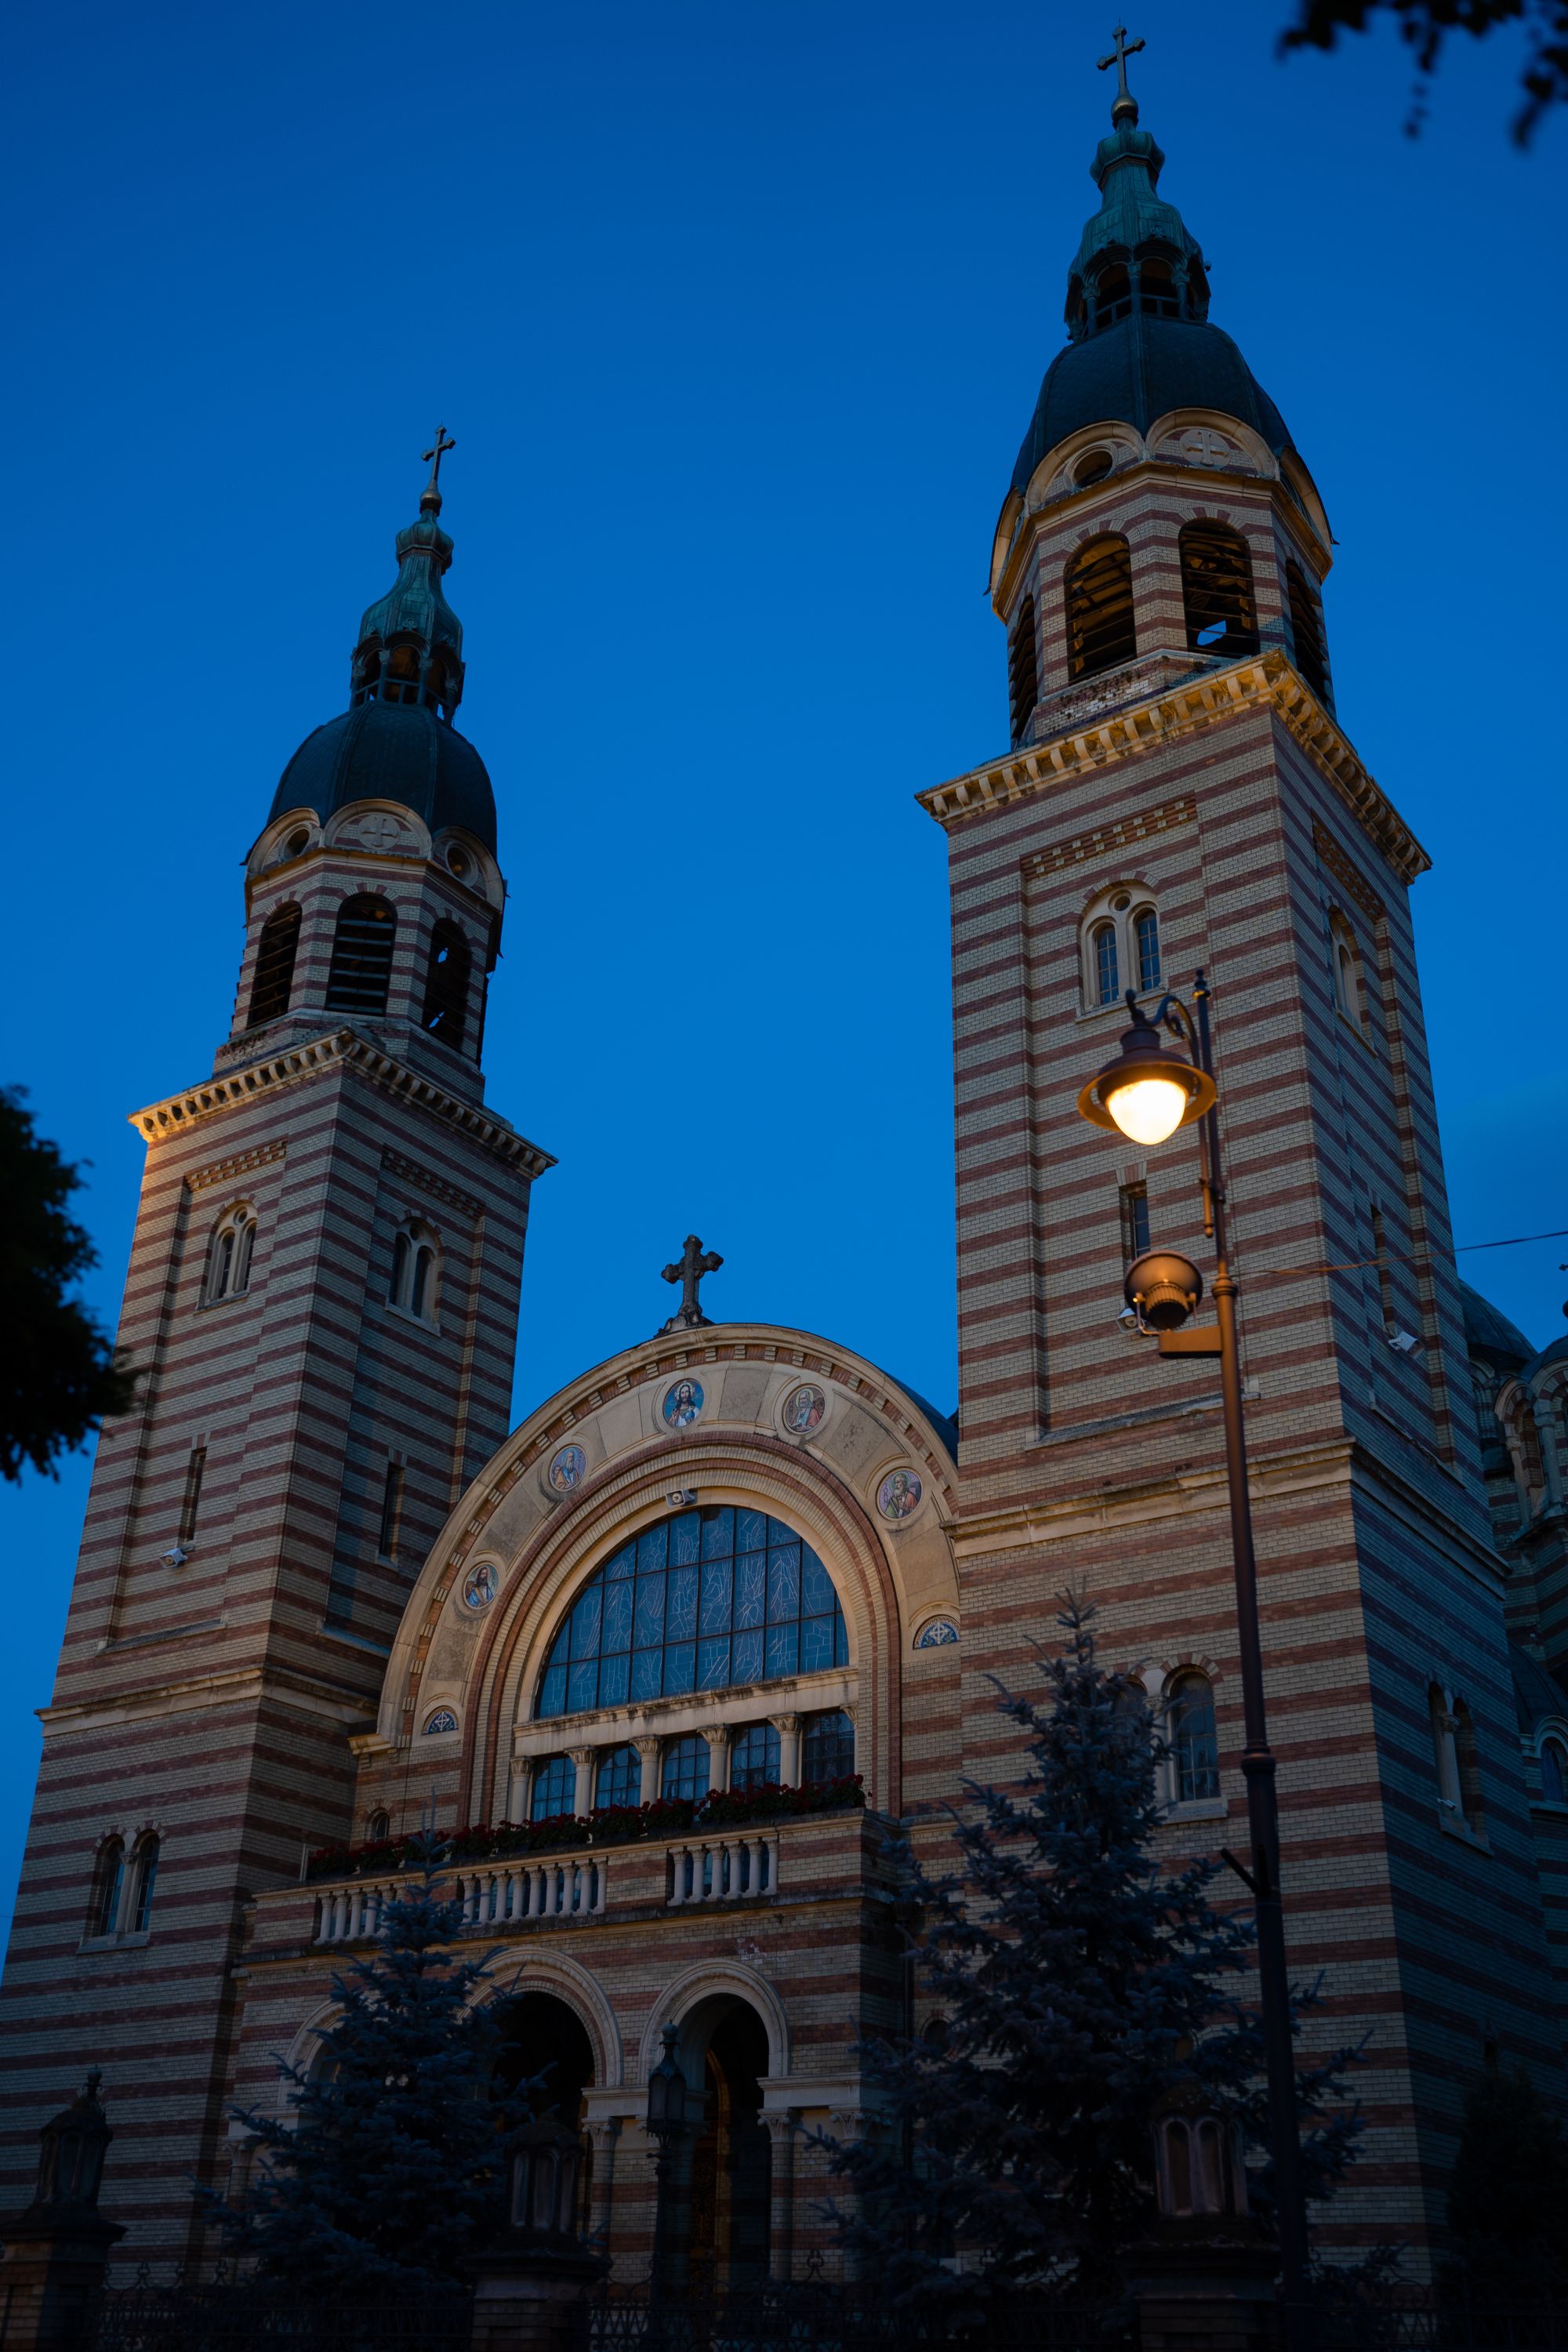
[243,2315]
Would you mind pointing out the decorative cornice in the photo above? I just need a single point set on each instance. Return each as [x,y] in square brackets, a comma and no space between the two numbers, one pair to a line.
[397,1163]
[1106,839]
[176,1112]
[1346,872]
[220,1172]
[1266,682]
[236,1686]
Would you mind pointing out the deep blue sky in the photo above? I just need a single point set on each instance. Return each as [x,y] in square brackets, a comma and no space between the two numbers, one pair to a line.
[738,315]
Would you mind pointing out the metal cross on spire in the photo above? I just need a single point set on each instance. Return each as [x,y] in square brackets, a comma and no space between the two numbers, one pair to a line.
[689,1269]
[1118,55]
[433,459]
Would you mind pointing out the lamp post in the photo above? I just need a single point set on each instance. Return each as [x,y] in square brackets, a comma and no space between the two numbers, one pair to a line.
[1146,1093]
[668,2099]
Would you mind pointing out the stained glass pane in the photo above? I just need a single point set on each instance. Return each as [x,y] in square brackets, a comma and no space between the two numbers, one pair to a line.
[1106,977]
[620,1778]
[680,1606]
[554,1784]
[695,1627]
[754,1757]
[684,1539]
[685,1772]
[615,1679]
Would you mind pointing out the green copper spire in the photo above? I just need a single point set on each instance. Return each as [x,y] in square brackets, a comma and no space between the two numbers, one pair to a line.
[1135,255]
[410,647]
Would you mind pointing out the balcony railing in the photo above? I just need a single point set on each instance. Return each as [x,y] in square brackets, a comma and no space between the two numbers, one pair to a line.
[509,1894]
[723,1867]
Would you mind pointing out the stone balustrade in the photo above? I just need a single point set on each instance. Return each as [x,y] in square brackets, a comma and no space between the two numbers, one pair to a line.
[500,1894]
[723,1865]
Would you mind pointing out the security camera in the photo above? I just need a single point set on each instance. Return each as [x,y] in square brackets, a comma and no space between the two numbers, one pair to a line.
[1162,1290]
[1128,1318]
[678,1496]
[1404,1341]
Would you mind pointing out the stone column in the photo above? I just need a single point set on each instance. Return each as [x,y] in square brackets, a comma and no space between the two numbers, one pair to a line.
[781,2125]
[605,2137]
[649,1750]
[788,1729]
[57,2249]
[583,1794]
[718,1757]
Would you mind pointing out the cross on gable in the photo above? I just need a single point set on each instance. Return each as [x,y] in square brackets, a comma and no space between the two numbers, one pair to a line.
[689,1269]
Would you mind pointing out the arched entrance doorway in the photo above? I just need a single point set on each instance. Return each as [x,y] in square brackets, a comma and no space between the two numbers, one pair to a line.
[545,2039]
[729,2179]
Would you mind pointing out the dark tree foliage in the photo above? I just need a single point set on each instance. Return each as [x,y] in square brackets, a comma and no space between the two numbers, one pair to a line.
[1509,2194]
[1082,1989]
[395,2163]
[1424,26]
[62,1375]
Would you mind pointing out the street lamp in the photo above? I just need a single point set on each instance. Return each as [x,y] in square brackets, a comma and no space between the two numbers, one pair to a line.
[667,2102]
[1146,1093]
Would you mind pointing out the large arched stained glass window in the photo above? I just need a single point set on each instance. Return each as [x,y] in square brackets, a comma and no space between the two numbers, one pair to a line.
[707,1599]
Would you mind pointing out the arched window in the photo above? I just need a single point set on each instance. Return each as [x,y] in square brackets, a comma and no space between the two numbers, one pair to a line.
[446,986]
[378,1828]
[367,671]
[1121,941]
[826,1747]
[400,682]
[435,682]
[1306,630]
[229,1257]
[1023,670]
[361,969]
[554,1788]
[1112,294]
[1468,1756]
[686,1767]
[1554,1772]
[704,1600]
[414,1285]
[1192,1738]
[1157,294]
[441,1719]
[273,981]
[619,1778]
[1216,589]
[754,1757]
[109,1886]
[1101,628]
[145,1879]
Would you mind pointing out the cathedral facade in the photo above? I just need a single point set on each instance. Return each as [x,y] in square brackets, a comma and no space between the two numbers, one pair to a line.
[668,1659]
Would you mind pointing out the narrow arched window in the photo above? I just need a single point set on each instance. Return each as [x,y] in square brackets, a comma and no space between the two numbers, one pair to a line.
[361,969]
[686,1767]
[1023,671]
[1554,1772]
[1193,1739]
[1112,294]
[446,986]
[1306,630]
[1157,295]
[619,1780]
[1145,927]
[1216,589]
[1101,628]
[1468,1758]
[367,671]
[273,982]
[1107,968]
[1348,997]
[554,1788]
[229,1257]
[754,1757]
[435,683]
[400,682]
[108,1887]
[145,1881]
[828,1746]
[413,1271]
[377,1828]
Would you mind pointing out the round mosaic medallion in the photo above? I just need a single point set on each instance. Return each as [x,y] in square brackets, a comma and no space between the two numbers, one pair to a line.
[480,1586]
[567,1468]
[804,1410]
[682,1403]
[898,1495]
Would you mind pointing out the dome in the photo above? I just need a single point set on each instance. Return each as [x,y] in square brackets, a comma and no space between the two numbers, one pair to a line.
[391,752]
[1489,1334]
[1138,370]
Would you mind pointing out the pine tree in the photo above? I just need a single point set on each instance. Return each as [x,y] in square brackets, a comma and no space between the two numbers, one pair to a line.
[1080,1986]
[395,2163]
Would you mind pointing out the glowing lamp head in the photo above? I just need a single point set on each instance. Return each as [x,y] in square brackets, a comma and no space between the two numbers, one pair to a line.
[1148,1091]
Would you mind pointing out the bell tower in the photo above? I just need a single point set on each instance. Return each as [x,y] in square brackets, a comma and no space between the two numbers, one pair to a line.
[321,1303]
[1178,794]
